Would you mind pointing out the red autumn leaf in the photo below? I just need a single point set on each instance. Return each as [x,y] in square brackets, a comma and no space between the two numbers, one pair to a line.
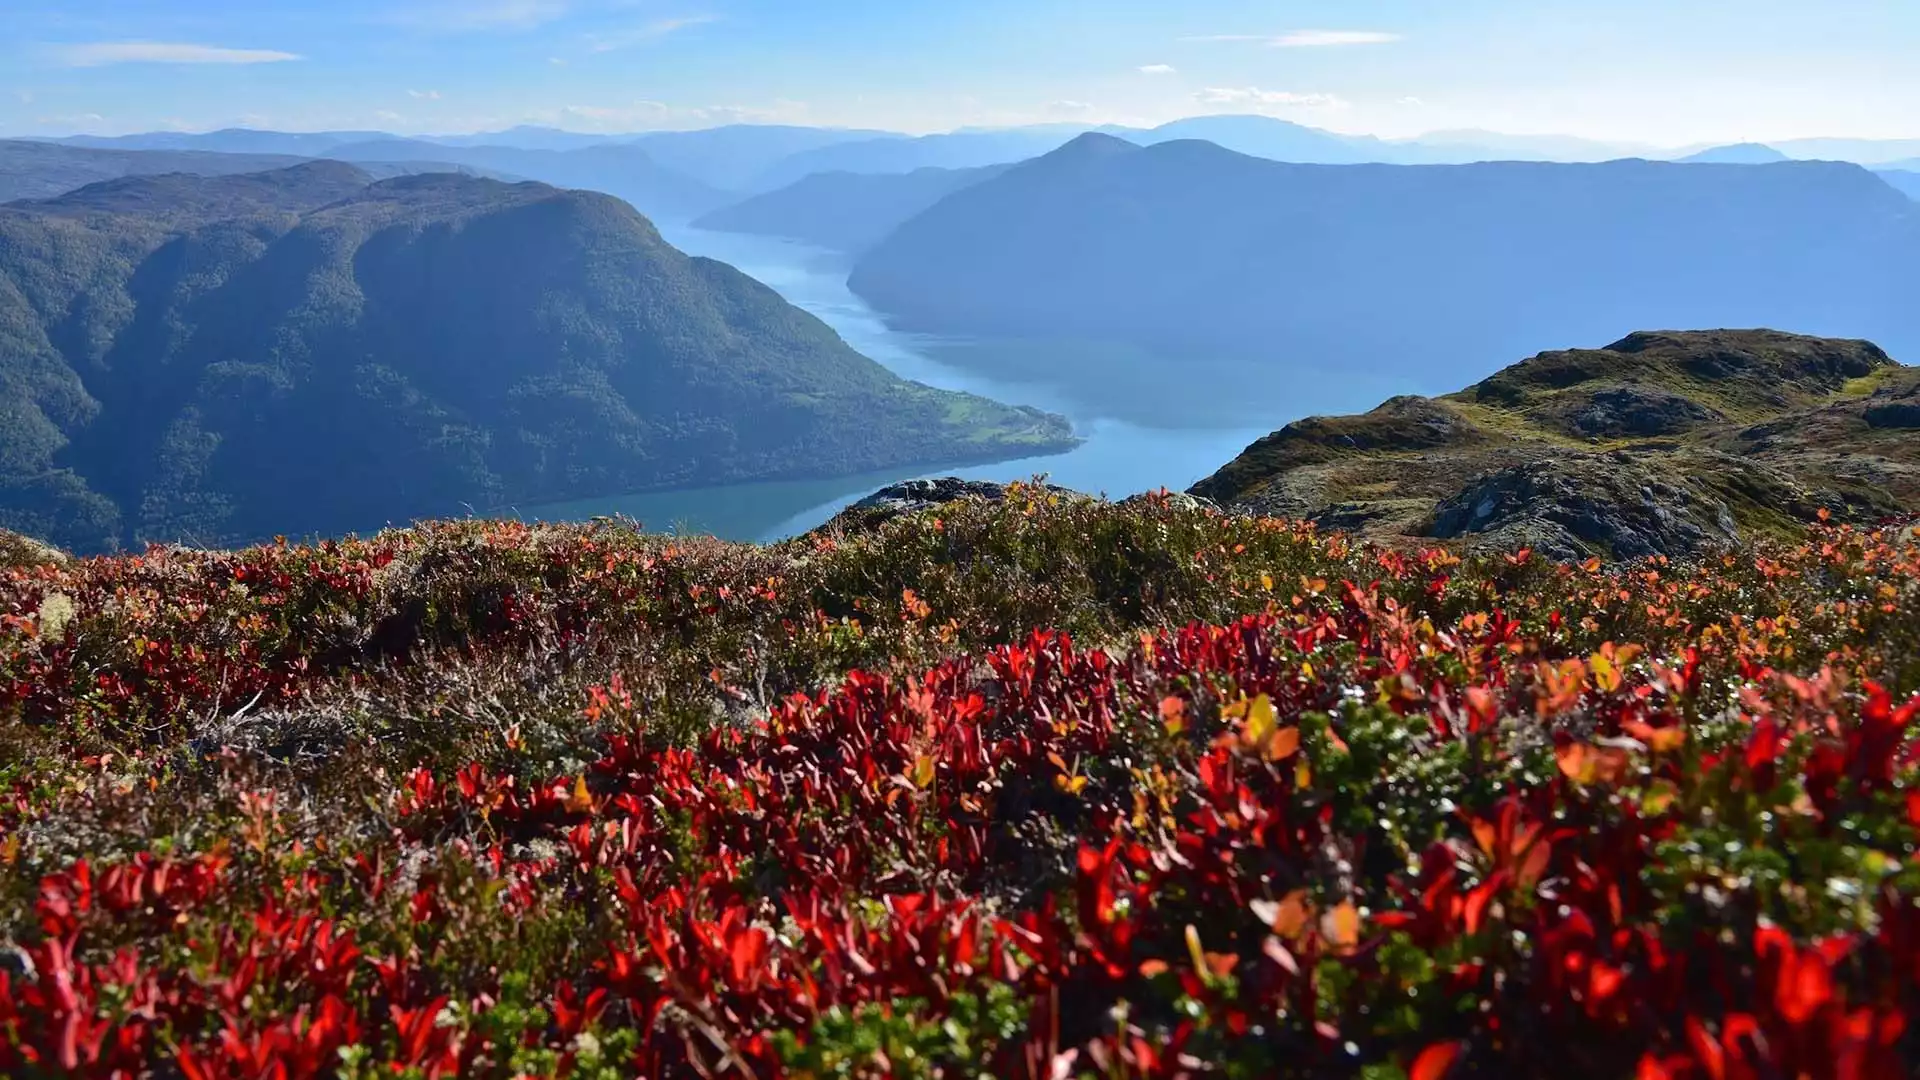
[1436,1061]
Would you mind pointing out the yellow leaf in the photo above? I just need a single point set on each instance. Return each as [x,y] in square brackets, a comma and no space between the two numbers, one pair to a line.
[1266,581]
[1302,775]
[1261,721]
[1194,951]
[923,771]
[1072,785]
[581,801]
[1606,677]
[1660,795]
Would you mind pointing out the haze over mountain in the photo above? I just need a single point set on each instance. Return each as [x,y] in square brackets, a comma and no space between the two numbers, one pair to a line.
[1234,276]
[844,211]
[1735,154]
[40,170]
[622,170]
[733,157]
[200,358]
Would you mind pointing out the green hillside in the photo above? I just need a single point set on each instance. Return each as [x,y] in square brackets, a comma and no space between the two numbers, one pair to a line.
[209,359]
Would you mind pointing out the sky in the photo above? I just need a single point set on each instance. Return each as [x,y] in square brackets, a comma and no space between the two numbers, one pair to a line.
[1662,72]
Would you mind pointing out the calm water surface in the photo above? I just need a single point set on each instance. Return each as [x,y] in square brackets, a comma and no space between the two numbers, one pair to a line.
[1118,458]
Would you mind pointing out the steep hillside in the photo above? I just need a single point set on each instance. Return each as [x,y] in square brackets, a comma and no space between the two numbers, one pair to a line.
[1661,443]
[185,358]
[1905,179]
[843,211]
[1254,276]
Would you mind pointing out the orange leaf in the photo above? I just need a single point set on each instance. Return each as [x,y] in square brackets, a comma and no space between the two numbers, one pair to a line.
[1285,744]
[1151,968]
[1434,1062]
[1341,925]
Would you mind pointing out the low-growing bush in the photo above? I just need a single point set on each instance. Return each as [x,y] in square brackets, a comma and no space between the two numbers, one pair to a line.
[1044,788]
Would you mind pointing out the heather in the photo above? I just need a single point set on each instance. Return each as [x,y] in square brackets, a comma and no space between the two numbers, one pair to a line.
[1048,787]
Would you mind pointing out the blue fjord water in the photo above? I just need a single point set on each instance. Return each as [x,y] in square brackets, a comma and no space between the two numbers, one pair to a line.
[1118,457]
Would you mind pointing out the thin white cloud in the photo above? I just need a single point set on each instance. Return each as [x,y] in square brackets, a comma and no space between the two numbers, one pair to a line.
[70,121]
[1253,95]
[389,116]
[1315,39]
[1070,106]
[102,53]
[1414,102]
[424,95]
[1157,69]
[464,15]
[1307,39]
[652,31]
[557,61]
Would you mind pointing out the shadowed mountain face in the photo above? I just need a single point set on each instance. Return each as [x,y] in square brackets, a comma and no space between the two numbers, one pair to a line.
[210,359]
[1242,276]
[1659,444]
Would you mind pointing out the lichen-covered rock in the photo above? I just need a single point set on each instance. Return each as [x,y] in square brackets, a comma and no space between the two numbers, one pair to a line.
[21,551]
[1583,505]
[1623,411]
[1177,500]
[912,496]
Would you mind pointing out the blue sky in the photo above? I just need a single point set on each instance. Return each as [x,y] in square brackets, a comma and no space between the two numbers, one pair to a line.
[1661,71]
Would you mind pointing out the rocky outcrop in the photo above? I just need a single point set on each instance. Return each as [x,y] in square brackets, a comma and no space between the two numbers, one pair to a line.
[1576,506]
[1662,443]
[912,496]
[1626,411]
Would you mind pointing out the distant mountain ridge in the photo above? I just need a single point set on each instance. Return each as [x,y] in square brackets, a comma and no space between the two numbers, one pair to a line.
[1736,154]
[845,212]
[306,350]
[42,170]
[1664,443]
[1252,274]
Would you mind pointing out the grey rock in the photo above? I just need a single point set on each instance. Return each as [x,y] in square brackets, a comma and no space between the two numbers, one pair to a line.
[912,496]
[1583,505]
[1178,500]
[1894,414]
[1638,411]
